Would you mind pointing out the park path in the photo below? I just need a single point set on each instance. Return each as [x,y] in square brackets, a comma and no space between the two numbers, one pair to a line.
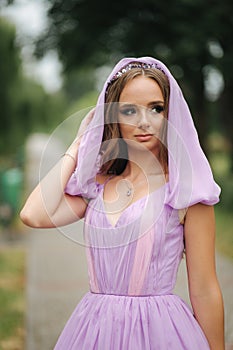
[57,272]
[57,279]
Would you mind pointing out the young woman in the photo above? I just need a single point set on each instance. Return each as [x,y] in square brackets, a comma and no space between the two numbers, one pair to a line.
[138,176]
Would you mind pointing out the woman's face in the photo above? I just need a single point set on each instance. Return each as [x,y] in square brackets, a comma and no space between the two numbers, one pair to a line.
[141,113]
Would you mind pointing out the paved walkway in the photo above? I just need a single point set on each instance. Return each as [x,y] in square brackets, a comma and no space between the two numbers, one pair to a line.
[57,279]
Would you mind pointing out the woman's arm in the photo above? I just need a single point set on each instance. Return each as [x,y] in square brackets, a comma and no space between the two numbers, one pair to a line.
[204,290]
[48,205]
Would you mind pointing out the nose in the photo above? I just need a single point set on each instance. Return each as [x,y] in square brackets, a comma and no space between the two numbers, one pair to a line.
[143,119]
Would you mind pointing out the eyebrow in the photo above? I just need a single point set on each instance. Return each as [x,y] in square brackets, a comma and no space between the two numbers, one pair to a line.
[152,103]
[126,104]
[155,102]
[135,104]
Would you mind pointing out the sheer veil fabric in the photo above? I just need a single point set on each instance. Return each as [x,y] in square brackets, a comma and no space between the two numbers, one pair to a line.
[190,176]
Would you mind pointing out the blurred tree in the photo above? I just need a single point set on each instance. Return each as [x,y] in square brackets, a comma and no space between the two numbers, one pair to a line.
[178,32]
[78,82]
[10,73]
[223,60]
[25,106]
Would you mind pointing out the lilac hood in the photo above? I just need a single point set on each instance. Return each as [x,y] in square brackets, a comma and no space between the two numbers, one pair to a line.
[190,176]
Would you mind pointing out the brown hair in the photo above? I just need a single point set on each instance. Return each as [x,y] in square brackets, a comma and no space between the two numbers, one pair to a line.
[114,153]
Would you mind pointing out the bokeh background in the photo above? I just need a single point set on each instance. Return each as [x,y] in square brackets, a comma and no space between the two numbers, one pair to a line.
[54,57]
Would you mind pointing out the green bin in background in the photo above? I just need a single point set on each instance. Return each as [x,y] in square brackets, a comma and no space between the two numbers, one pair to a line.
[11,181]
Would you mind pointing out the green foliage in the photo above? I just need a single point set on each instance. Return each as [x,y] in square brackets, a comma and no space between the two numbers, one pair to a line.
[224,230]
[220,160]
[37,110]
[226,184]
[88,100]
[12,302]
[25,106]
[9,72]
[178,32]
[78,82]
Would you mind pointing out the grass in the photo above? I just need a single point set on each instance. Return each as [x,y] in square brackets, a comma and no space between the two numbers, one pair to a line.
[220,162]
[224,231]
[12,298]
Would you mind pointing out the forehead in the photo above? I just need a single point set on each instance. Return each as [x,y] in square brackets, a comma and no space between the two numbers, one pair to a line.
[141,90]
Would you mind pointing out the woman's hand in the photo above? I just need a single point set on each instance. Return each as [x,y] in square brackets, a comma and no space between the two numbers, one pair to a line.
[73,148]
[85,122]
[48,205]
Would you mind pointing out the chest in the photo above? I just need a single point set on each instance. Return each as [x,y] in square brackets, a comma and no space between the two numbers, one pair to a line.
[123,196]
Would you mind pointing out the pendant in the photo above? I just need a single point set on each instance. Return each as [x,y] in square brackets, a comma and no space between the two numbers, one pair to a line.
[128,193]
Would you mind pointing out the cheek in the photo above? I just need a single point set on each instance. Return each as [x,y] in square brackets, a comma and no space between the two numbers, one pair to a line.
[157,123]
[126,129]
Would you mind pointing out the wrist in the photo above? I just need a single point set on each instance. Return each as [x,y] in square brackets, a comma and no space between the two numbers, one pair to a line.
[70,156]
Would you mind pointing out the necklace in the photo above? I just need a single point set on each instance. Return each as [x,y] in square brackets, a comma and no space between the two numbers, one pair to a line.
[125,193]
[125,182]
[131,189]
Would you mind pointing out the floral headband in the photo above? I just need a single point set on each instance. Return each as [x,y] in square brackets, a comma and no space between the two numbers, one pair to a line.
[133,65]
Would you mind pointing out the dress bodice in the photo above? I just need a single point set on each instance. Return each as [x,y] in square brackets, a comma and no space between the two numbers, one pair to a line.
[140,255]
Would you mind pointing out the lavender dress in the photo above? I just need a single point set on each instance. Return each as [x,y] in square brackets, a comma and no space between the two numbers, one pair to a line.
[131,305]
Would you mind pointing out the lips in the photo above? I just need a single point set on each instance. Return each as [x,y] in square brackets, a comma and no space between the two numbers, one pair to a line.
[143,137]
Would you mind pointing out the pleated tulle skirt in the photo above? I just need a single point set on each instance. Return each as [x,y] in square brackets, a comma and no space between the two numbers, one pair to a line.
[112,322]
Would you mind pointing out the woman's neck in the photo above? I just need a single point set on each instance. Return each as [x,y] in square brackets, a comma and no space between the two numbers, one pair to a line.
[142,165]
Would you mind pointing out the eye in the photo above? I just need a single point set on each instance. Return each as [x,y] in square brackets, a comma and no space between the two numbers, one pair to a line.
[157,109]
[128,111]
